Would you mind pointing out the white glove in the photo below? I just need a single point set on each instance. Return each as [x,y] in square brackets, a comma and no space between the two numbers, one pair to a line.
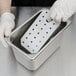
[7,24]
[62,10]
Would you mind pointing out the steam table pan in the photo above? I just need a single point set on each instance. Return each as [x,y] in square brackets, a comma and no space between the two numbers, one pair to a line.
[29,59]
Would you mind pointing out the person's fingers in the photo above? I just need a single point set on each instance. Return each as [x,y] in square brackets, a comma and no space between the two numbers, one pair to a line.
[53,15]
[58,18]
[3,42]
[65,18]
[8,30]
[2,39]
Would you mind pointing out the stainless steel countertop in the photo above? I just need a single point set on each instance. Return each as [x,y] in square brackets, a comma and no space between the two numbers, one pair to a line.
[61,63]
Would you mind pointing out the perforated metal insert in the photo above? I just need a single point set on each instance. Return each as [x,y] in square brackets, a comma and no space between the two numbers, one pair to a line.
[39,32]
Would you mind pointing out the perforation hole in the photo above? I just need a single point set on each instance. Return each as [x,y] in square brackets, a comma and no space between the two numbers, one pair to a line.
[26,37]
[33,29]
[34,37]
[46,32]
[43,36]
[51,19]
[46,12]
[50,28]
[23,42]
[31,41]
[41,28]
[53,23]
[29,33]
[27,45]
[33,50]
[43,16]
[39,41]
[38,33]
[44,24]
[47,20]
[36,25]
[39,20]
[36,45]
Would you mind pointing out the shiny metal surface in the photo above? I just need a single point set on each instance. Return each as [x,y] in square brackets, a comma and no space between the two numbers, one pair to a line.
[62,63]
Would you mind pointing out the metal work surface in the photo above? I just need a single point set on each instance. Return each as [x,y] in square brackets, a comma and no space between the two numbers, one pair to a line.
[61,63]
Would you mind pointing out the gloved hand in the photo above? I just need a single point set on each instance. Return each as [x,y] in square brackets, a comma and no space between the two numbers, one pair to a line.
[6,26]
[62,10]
